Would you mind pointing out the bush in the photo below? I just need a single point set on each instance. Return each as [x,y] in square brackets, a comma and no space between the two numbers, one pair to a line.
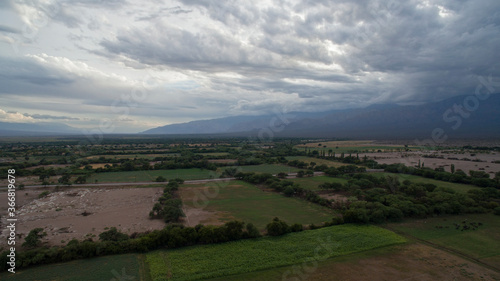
[33,239]
[296,227]
[277,228]
[160,179]
[113,235]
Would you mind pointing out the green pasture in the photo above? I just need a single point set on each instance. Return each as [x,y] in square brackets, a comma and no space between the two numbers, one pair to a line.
[458,187]
[318,161]
[151,175]
[101,268]
[243,201]
[267,168]
[217,260]
[481,243]
[312,183]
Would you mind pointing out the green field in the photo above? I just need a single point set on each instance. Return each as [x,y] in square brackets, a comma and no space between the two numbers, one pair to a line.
[245,202]
[459,187]
[318,161]
[151,175]
[312,183]
[481,243]
[102,268]
[207,261]
[268,168]
[132,156]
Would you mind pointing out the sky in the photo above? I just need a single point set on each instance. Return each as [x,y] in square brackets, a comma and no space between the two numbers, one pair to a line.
[124,66]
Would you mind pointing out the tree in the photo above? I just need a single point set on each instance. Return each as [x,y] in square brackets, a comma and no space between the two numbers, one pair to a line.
[277,227]
[160,179]
[252,231]
[113,235]
[452,167]
[81,179]
[65,179]
[282,175]
[33,239]
[497,176]
[300,174]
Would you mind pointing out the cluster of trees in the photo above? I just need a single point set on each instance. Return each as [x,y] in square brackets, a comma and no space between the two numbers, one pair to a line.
[386,199]
[291,189]
[114,242]
[278,227]
[169,206]
[478,178]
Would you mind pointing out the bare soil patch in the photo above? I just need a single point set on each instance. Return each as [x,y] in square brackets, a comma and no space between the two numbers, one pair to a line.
[416,262]
[195,206]
[482,161]
[83,212]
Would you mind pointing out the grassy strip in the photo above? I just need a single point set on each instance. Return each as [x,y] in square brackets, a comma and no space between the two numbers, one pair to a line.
[208,261]
[151,175]
[458,187]
[102,268]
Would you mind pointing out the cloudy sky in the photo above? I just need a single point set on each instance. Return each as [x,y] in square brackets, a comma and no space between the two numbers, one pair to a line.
[141,64]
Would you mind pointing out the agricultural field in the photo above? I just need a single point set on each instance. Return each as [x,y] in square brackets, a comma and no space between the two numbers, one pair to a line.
[410,261]
[458,187]
[225,201]
[267,168]
[132,156]
[315,160]
[119,267]
[202,262]
[353,146]
[151,175]
[312,183]
[474,236]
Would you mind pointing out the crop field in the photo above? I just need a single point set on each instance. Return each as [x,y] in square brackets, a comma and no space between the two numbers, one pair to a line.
[479,242]
[318,161]
[245,202]
[201,262]
[268,168]
[102,268]
[151,175]
[458,187]
[350,146]
[132,156]
[312,183]
[409,261]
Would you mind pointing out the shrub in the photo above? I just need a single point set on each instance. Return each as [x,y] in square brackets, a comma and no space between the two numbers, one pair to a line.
[277,228]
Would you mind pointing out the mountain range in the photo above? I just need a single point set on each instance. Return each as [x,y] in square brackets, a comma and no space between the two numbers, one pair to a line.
[461,117]
[36,129]
[458,117]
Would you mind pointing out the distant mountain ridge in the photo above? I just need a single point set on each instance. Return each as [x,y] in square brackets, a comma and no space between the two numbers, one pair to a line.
[377,121]
[36,129]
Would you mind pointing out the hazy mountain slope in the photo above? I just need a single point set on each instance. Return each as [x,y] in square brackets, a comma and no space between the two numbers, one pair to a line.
[34,129]
[378,121]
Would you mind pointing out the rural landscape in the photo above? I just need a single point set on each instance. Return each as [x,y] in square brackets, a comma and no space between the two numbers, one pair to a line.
[161,208]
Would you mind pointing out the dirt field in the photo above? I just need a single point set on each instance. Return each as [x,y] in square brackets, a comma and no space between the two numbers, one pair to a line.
[60,213]
[415,262]
[409,262]
[412,159]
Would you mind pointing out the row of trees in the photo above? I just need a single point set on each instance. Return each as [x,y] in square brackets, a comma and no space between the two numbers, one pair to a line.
[386,199]
[113,242]
[169,206]
[478,178]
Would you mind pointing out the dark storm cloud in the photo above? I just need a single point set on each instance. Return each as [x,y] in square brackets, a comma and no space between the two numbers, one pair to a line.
[46,116]
[218,58]
[8,29]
